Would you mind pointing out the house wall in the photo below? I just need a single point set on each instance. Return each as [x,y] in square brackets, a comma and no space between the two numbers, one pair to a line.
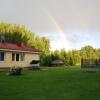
[28,57]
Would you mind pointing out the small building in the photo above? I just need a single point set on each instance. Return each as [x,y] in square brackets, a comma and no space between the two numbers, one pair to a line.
[18,55]
[57,62]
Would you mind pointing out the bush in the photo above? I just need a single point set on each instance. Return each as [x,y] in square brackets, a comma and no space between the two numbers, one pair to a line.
[15,71]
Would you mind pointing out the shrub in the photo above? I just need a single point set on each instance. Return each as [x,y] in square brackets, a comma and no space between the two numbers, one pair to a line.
[15,71]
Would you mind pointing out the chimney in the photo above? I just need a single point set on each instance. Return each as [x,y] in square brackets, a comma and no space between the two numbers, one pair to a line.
[2,39]
[20,44]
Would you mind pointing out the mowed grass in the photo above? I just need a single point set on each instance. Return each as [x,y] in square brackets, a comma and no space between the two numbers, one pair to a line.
[51,84]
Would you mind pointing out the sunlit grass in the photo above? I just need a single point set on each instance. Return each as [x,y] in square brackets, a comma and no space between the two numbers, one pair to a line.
[51,83]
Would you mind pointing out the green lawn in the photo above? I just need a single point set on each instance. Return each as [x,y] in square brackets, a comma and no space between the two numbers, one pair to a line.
[51,84]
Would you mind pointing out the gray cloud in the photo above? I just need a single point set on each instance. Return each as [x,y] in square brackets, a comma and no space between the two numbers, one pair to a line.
[79,19]
[82,15]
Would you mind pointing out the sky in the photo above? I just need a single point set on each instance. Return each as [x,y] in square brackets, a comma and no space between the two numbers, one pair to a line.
[69,24]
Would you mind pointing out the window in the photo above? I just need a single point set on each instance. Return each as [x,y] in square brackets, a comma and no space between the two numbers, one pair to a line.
[13,56]
[1,56]
[22,57]
[17,56]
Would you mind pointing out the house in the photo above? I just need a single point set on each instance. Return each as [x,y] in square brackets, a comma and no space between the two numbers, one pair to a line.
[57,62]
[18,55]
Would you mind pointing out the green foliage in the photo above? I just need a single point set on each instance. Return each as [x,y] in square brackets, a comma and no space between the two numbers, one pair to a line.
[19,34]
[15,71]
[41,43]
[46,60]
[88,52]
[73,57]
[15,33]
[76,57]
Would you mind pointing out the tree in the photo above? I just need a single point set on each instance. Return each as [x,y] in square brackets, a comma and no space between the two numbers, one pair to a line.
[76,57]
[88,52]
[46,60]
[14,33]
[56,55]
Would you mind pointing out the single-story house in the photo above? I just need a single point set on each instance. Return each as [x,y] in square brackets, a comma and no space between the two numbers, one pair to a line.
[18,55]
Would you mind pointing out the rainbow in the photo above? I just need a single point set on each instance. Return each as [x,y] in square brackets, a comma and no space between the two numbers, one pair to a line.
[57,26]
[59,29]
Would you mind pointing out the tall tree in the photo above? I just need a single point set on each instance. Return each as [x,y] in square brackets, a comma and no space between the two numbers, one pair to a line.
[14,33]
[88,52]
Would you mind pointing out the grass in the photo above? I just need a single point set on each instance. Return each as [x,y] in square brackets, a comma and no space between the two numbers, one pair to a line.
[51,84]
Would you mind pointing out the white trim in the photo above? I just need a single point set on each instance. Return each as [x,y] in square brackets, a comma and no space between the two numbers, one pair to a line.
[19,51]
[20,56]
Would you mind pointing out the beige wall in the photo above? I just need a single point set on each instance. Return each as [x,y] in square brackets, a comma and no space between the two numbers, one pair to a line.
[28,57]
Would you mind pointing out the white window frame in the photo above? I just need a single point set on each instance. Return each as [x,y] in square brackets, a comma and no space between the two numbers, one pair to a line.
[20,57]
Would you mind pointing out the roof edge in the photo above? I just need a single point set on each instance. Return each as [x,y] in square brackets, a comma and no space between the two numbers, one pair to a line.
[20,51]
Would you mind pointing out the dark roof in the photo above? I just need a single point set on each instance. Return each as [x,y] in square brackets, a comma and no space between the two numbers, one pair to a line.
[19,47]
[57,62]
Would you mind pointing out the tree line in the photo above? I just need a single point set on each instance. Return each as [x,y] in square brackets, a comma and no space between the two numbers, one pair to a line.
[72,57]
[14,33]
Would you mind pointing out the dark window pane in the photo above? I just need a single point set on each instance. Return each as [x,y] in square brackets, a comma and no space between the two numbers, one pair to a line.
[17,57]
[34,62]
[13,56]
[1,56]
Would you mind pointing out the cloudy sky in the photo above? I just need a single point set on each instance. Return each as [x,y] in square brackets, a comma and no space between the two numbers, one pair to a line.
[69,24]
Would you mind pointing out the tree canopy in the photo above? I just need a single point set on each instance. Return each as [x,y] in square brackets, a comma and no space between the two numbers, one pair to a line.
[14,33]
